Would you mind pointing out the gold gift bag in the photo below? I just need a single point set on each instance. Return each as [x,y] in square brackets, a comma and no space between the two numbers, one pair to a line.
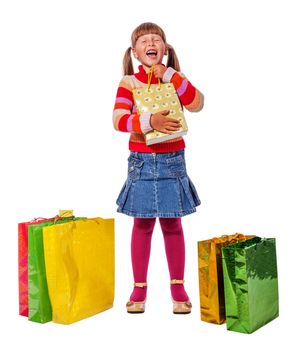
[212,303]
[79,260]
[158,98]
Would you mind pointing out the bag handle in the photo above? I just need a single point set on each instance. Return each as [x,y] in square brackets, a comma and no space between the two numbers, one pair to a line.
[37,219]
[150,78]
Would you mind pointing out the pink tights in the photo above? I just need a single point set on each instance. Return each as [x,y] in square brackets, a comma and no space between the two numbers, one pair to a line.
[175,251]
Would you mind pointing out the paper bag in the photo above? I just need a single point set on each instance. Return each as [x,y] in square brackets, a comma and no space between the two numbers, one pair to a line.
[212,304]
[250,284]
[158,98]
[79,259]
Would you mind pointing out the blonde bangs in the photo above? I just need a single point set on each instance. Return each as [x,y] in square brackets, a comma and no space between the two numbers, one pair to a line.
[147,28]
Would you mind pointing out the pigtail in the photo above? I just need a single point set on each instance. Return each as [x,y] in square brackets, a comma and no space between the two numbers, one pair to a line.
[127,63]
[173,59]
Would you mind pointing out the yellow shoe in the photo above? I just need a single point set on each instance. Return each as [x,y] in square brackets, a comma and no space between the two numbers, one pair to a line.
[136,307]
[181,307]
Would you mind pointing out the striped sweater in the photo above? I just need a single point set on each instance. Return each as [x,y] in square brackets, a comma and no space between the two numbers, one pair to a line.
[126,118]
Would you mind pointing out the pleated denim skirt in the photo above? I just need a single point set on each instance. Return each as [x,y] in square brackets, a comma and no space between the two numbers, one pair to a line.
[157,185]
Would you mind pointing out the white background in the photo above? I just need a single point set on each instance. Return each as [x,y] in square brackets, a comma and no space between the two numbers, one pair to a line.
[60,66]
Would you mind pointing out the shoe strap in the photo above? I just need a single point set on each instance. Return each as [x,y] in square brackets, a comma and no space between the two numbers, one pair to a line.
[174,281]
[140,284]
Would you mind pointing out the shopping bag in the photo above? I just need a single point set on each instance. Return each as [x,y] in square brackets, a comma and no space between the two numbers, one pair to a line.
[38,299]
[212,304]
[23,264]
[79,259]
[158,98]
[250,284]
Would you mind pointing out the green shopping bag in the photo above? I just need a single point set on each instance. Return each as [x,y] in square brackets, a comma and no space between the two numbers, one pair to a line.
[40,309]
[250,284]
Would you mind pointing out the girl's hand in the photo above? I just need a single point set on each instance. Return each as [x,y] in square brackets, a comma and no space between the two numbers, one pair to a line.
[160,122]
[159,70]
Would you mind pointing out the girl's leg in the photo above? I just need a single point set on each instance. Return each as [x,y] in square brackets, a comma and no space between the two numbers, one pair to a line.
[140,254]
[175,251]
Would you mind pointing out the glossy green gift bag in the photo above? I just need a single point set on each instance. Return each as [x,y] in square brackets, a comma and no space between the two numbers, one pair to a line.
[250,284]
[39,305]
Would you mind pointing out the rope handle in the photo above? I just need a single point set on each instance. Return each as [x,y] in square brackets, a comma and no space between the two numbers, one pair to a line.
[62,214]
[150,78]
[37,219]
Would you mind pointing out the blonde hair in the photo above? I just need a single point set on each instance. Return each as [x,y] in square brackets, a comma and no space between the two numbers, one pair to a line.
[148,28]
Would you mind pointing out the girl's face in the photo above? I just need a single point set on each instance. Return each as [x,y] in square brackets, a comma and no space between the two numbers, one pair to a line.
[149,50]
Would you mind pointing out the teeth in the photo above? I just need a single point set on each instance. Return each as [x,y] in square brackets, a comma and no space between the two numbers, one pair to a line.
[151,51]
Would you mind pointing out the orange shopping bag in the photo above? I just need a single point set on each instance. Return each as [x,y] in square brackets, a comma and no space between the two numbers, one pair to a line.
[212,303]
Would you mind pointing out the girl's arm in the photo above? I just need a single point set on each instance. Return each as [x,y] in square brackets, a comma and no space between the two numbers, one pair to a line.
[191,98]
[125,116]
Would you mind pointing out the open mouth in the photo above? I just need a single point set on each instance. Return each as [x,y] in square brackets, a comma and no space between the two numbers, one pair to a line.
[151,53]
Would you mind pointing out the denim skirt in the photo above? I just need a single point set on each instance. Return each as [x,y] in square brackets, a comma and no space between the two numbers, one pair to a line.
[157,185]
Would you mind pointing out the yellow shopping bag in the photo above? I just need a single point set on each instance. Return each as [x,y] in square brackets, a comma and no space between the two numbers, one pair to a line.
[158,98]
[79,260]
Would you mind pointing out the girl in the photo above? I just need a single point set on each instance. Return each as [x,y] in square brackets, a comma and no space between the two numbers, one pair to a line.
[157,184]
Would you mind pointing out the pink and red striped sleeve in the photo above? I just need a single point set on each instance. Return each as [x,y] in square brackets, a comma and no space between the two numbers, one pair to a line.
[190,97]
[125,116]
